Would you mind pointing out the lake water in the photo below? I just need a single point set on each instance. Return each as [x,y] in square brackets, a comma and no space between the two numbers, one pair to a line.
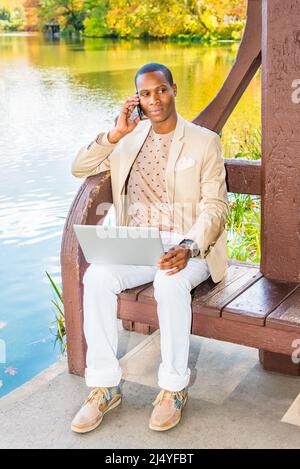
[54,98]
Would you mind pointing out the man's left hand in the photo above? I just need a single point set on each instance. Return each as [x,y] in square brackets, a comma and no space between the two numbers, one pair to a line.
[176,259]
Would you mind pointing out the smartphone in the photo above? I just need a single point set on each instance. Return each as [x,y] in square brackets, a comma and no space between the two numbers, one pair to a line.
[139,111]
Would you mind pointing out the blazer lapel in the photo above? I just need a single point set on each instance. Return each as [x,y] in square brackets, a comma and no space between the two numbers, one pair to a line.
[174,153]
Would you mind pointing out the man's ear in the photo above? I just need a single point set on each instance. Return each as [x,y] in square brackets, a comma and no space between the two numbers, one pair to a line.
[174,86]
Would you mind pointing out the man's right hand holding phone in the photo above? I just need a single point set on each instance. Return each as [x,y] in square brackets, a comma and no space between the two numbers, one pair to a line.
[124,124]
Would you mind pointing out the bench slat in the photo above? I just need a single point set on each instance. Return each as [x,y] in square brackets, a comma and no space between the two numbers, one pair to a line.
[210,300]
[287,315]
[203,292]
[131,294]
[258,301]
[147,295]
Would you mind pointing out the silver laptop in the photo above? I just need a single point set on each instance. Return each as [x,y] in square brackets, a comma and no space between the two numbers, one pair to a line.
[120,244]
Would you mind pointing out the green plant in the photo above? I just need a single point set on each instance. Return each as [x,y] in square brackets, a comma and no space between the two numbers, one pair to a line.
[244,219]
[243,226]
[250,145]
[60,333]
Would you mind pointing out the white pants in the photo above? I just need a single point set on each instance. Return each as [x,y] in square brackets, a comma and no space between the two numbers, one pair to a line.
[102,283]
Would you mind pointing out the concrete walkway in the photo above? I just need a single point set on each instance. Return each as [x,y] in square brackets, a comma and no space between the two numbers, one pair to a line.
[232,403]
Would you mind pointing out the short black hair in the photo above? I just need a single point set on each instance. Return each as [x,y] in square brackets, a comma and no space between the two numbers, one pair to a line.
[155,67]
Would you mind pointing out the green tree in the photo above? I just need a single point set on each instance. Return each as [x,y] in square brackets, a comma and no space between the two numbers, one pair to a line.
[11,20]
[95,22]
[4,14]
[70,14]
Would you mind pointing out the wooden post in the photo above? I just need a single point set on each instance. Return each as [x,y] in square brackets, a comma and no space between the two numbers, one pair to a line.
[280,258]
[280,245]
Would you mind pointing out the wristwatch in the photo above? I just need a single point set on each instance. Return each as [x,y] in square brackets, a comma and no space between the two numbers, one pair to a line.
[192,245]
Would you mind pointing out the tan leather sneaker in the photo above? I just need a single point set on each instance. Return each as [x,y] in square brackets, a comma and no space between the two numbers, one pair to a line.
[99,401]
[167,409]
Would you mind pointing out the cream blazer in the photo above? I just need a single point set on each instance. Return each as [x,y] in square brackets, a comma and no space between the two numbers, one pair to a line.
[195,183]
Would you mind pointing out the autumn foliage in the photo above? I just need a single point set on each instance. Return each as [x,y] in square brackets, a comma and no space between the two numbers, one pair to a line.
[204,19]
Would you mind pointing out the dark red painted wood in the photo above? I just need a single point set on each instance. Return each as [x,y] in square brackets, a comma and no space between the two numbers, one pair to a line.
[280,259]
[279,363]
[287,315]
[259,300]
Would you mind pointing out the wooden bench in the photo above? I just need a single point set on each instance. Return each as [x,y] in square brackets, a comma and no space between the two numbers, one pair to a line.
[244,308]
[254,305]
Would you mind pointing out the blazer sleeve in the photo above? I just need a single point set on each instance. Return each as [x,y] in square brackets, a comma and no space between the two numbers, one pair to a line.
[93,158]
[213,208]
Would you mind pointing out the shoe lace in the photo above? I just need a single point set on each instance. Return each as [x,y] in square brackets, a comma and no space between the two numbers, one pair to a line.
[102,395]
[176,396]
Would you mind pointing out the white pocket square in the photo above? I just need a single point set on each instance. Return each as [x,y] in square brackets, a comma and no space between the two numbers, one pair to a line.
[184,163]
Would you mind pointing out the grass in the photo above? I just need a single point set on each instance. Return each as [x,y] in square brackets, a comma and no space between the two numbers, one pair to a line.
[59,320]
[250,145]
